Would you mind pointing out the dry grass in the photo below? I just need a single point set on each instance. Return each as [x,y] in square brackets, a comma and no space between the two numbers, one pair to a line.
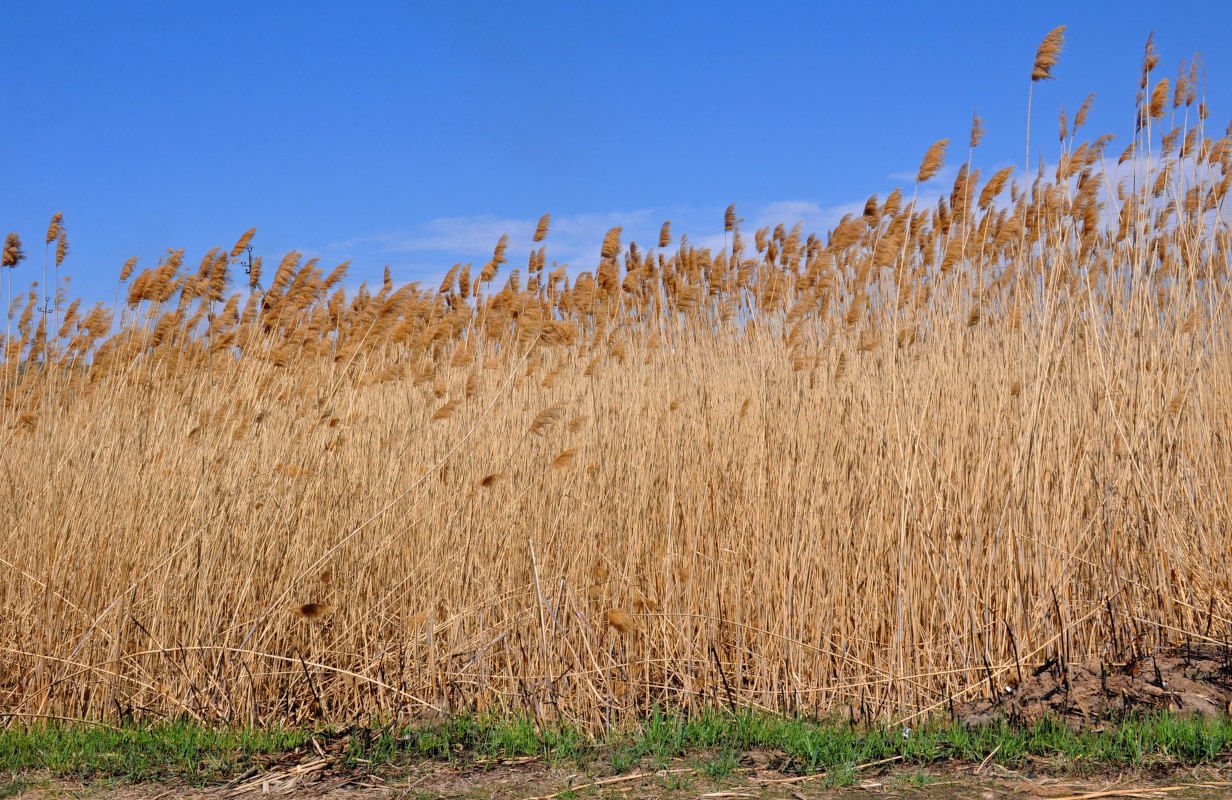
[864,472]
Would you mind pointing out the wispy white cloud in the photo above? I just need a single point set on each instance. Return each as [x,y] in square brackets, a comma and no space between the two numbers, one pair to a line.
[575,239]
[813,217]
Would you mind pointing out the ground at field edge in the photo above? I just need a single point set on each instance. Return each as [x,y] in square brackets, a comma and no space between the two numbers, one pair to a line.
[531,779]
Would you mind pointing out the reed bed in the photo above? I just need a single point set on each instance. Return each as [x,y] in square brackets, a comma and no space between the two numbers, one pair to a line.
[871,472]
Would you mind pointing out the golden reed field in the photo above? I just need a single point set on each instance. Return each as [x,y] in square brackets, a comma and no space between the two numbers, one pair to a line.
[872,472]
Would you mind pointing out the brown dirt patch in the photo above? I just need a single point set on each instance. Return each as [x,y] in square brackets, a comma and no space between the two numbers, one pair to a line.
[518,782]
[1187,679]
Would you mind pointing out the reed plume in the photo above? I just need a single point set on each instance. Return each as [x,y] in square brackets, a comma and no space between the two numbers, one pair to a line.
[242,243]
[312,610]
[977,129]
[446,411]
[546,419]
[61,248]
[541,230]
[1150,60]
[611,243]
[1048,53]
[620,620]
[498,257]
[1159,98]
[934,157]
[1080,118]
[13,252]
[54,228]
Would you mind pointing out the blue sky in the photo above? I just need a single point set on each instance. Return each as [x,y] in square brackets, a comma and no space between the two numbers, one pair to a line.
[414,134]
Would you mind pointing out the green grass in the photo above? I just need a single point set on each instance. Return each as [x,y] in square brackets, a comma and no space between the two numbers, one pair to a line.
[136,754]
[713,742]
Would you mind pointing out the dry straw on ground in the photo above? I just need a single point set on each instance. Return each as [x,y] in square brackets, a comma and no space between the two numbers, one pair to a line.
[871,471]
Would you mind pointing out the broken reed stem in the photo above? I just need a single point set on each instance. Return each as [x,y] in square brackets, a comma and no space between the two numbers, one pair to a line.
[549,688]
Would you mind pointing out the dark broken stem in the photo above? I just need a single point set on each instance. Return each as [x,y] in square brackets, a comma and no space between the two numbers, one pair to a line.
[252,694]
[1056,605]
[1014,645]
[731,698]
[311,686]
[1137,654]
[1116,643]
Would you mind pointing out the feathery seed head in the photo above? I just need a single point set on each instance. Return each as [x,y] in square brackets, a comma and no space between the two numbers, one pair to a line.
[13,254]
[871,211]
[1150,60]
[61,247]
[933,159]
[446,411]
[53,230]
[611,243]
[243,242]
[1048,53]
[541,230]
[619,619]
[1080,118]
[254,274]
[312,610]
[1159,98]
[546,419]
[977,129]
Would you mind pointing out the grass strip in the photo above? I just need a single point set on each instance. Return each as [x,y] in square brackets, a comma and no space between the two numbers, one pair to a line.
[713,742]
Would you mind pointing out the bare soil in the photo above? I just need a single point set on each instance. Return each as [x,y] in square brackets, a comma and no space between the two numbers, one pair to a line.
[527,781]
[1188,679]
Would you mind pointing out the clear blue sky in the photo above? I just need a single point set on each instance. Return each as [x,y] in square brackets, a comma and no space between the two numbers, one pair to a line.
[414,134]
